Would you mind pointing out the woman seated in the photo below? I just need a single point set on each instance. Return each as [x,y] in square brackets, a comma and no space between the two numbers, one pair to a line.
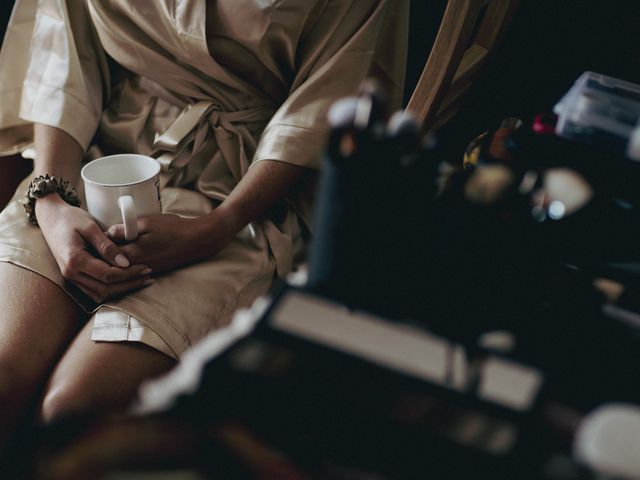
[84,316]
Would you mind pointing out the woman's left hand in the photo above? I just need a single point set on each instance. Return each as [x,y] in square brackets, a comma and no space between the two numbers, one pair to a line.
[167,241]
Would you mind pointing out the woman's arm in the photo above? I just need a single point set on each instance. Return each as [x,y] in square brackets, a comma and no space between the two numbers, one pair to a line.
[265,183]
[170,241]
[57,152]
[70,231]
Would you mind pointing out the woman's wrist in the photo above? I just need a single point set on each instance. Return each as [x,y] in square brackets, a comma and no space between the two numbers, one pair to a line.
[265,183]
[49,206]
[51,201]
[213,231]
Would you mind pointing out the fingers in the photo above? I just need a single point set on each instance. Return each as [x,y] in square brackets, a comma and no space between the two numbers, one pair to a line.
[99,292]
[116,233]
[105,273]
[135,250]
[82,262]
[104,246]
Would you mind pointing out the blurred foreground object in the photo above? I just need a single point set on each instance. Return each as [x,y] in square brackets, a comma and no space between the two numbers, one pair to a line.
[313,391]
[457,323]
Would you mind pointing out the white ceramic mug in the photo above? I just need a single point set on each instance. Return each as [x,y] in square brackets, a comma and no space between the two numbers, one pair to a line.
[120,188]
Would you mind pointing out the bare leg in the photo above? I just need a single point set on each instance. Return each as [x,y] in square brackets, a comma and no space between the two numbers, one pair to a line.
[94,377]
[37,321]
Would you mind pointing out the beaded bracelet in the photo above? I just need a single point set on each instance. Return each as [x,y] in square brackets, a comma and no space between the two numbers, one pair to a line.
[42,186]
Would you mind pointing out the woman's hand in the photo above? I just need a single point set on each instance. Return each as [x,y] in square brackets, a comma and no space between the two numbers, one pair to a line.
[85,255]
[167,241]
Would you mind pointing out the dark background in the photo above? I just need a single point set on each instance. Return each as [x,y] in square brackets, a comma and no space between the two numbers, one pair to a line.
[549,44]
[5,12]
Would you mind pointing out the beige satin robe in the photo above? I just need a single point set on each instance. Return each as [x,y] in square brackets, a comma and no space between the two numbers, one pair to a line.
[208,88]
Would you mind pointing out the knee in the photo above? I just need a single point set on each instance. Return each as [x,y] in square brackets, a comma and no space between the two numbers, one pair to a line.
[73,397]
[62,402]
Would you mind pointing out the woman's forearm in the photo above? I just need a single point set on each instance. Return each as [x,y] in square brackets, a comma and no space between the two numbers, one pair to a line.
[57,153]
[265,183]
[167,242]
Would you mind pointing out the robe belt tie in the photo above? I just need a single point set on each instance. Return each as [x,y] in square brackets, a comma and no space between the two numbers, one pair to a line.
[190,132]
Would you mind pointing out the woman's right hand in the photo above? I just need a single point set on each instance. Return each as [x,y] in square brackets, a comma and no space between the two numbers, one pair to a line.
[72,236]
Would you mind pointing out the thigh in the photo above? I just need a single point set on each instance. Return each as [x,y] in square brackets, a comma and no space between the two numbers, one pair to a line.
[97,377]
[37,320]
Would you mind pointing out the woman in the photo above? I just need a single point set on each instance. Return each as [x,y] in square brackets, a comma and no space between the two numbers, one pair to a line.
[230,96]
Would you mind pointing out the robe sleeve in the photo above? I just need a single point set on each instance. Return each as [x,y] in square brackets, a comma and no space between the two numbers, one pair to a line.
[349,41]
[52,71]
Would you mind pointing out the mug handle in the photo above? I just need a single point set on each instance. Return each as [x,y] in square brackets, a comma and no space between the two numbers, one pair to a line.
[129,217]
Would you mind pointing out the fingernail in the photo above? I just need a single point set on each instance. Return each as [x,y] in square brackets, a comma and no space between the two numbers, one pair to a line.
[121,260]
[146,283]
[146,271]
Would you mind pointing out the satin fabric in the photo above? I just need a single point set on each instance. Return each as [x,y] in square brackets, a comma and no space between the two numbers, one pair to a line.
[206,87]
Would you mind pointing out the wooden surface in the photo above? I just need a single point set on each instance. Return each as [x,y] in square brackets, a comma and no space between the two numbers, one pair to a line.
[469,31]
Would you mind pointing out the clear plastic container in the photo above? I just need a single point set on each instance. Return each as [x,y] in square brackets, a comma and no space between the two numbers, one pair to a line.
[601,110]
